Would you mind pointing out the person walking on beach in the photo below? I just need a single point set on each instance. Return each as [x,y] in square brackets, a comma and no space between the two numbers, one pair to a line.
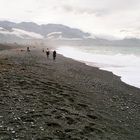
[54,55]
[28,50]
[43,50]
[47,53]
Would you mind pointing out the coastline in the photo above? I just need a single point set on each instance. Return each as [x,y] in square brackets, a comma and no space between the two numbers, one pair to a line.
[117,63]
[64,99]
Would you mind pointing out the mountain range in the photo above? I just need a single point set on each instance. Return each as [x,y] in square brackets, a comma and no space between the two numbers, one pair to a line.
[11,32]
[44,31]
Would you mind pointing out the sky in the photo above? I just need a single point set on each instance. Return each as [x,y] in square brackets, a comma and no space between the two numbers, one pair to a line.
[113,19]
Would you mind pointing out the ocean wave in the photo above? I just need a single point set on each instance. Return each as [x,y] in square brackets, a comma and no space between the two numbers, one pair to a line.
[126,66]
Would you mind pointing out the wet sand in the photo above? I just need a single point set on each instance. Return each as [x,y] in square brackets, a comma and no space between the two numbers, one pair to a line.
[42,99]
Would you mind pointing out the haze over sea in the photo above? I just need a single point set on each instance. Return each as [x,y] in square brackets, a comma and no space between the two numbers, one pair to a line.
[123,61]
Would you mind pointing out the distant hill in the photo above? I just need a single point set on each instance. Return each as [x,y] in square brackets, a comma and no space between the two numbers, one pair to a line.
[45,30]
[27,32]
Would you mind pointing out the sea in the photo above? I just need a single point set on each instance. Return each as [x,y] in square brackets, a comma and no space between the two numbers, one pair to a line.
[123,61]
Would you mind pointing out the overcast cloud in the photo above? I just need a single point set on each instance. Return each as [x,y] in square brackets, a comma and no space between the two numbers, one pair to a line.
[102,17]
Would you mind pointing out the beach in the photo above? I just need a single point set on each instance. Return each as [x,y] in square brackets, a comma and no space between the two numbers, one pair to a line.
[42,99]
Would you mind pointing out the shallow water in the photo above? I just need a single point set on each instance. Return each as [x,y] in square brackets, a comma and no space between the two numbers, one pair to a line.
[122,61]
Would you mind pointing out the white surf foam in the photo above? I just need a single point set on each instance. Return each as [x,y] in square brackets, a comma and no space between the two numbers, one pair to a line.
[127,66]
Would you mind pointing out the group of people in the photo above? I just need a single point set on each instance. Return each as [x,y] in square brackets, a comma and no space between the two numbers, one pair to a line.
[48,53]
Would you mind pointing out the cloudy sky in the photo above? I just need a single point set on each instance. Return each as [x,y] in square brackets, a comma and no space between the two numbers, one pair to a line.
[109,18]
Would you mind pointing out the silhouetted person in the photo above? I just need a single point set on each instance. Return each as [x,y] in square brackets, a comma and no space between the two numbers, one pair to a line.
[28,50]
[47,53]
[54,55]
[43,50]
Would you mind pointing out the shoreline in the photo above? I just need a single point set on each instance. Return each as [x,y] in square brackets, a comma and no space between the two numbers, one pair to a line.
[123,77]
[100,69]
[64,99]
